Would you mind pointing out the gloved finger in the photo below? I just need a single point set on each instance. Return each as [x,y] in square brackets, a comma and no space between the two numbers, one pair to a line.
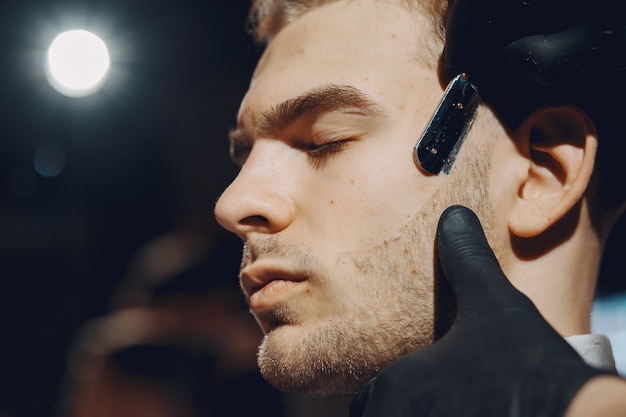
[468,261]
[358,403]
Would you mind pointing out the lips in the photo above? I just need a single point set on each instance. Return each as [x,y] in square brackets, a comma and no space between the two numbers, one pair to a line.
[265,284]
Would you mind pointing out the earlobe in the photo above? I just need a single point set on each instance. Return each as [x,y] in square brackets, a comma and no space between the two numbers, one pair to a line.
[560,146]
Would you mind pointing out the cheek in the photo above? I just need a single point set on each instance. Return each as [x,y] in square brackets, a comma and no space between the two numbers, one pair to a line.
[360,205]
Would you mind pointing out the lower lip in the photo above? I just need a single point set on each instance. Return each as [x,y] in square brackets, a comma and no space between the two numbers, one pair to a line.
[270,294]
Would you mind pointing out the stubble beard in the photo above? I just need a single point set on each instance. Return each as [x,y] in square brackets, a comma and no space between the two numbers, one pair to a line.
[397,312]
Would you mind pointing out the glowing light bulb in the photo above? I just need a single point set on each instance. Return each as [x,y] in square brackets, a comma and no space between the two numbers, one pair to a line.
[78,62]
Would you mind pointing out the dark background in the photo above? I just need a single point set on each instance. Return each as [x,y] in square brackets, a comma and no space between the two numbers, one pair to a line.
[145,156]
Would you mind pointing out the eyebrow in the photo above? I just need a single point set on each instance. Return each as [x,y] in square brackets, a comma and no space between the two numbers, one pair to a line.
[314,102]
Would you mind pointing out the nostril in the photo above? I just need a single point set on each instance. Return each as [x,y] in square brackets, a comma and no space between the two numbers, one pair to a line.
[254,221]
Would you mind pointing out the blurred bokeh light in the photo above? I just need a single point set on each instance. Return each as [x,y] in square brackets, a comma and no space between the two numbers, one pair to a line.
[77,63]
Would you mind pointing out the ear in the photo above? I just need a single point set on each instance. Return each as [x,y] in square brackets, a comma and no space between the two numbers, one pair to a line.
[559,144]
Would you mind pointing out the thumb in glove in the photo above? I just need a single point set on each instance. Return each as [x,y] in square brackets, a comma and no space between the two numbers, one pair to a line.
[500,357]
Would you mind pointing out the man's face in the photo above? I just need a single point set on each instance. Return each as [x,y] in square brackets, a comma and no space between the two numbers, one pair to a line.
[338,223]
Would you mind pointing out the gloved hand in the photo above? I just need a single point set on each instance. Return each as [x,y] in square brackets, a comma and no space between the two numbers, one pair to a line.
[500,358]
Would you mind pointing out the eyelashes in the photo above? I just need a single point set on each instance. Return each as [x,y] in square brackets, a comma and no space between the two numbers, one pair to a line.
[327,149]
[318,154]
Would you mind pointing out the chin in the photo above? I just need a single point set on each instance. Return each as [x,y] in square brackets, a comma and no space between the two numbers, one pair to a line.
[314,362]
[314,383]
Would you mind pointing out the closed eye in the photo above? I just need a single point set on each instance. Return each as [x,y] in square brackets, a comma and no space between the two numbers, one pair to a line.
[240,147]
[320,154]
[326,149]
[239,153]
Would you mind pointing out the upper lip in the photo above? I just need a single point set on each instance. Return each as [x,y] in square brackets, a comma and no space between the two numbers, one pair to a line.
[259,274]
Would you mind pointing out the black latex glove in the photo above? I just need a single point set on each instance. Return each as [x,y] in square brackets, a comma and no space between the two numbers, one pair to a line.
[500,358]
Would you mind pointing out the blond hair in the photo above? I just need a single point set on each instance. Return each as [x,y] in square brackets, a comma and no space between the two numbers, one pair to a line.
[268,17]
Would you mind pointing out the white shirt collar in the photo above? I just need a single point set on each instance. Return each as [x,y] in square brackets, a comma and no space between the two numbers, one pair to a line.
[595,349]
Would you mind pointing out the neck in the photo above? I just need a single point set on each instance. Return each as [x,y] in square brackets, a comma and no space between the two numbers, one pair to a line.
[558,271]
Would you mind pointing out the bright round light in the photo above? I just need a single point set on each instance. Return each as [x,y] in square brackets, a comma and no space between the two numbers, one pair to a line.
[77,64]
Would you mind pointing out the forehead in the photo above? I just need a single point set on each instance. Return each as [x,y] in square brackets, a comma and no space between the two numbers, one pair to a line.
[379,47]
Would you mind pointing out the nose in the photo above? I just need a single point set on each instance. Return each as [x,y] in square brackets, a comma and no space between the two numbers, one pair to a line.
[260,199]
